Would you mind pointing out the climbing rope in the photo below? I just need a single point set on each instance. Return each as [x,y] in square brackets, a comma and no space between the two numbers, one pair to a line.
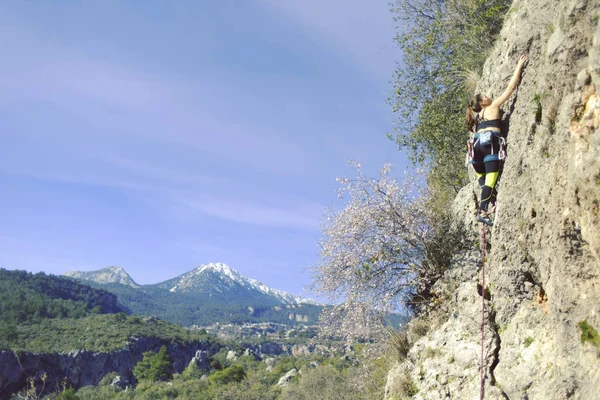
[482,308]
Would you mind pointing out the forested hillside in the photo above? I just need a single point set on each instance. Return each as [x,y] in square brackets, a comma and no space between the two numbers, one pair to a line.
[187,309]
[42,313]
[26,297]
[58,338]
[27,300]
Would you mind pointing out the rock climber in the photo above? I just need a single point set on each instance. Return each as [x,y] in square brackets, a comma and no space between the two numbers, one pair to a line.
[487,146]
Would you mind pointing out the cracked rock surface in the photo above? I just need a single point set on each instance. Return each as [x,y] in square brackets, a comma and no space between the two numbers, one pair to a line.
[543,267]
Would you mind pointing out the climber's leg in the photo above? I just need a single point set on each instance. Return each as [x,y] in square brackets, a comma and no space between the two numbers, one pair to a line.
[487,190]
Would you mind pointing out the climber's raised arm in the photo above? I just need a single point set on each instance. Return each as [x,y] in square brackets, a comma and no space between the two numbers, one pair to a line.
[512,85]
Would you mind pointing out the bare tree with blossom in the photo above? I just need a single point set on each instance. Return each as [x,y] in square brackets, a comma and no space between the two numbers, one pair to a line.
[380,252]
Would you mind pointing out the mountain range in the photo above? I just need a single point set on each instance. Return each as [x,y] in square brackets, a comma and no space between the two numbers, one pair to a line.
[205,295]
[112,274]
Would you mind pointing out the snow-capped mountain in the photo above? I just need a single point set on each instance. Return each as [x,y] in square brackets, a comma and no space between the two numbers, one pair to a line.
[205,295]
[218,280]
[107,275]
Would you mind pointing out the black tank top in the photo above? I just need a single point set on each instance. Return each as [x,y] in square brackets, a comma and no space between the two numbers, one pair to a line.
[482,123]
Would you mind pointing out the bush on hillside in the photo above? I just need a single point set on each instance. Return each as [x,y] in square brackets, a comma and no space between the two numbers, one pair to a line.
[323,382]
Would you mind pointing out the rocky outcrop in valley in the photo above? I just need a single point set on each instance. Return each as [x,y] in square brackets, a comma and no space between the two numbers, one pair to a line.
[80,368]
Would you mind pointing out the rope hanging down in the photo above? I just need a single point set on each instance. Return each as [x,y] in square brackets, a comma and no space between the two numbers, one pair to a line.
[482,308]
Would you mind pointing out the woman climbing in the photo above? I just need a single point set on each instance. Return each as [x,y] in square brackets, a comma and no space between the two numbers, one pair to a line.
[483,118]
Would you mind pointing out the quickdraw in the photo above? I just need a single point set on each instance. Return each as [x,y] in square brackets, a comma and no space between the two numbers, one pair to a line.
[470,154]
[502,152]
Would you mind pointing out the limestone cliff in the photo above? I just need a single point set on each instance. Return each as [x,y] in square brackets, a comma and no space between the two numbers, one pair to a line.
[543,264]
[80,368]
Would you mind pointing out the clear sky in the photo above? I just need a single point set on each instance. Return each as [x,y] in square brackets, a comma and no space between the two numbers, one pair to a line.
[161,135]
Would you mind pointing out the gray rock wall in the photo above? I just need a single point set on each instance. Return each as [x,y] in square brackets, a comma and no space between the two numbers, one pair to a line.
[83,368]
[543,267]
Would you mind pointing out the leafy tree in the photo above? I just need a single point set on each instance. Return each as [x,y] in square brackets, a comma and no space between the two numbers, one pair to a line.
[443,43]
[154,366]
[385,249]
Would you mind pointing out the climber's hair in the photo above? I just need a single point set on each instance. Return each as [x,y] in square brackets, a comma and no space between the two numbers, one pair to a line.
[474,107]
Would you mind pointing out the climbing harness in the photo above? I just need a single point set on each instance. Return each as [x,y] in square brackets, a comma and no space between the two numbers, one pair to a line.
[482,308]
[485,139]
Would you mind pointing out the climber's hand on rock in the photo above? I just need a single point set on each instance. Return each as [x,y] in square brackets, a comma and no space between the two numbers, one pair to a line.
[523,59]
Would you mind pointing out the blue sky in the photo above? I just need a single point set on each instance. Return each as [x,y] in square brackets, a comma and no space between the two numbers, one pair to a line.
[162,135]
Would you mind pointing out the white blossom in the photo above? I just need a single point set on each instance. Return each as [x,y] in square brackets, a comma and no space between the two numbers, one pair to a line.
[372,250]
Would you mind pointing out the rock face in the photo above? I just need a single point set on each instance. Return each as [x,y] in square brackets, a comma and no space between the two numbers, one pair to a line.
[112,274]
[543,262]
[83,368]
[287,378]
[201,360]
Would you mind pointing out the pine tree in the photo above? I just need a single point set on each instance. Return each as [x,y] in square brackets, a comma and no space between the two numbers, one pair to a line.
[154,366]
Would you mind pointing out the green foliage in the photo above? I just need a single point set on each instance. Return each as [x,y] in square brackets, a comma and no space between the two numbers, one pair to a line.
[528,341]
[323,382]
[537,106]
[96,332]
[442,43]
[589,335]
[246,379]
[219,361]
[67,394]
[285,364]
[103,393]
[154,366]
[252,388]
[29,298]
[234,373]
[191,372]
[108,379]
[149,390]
[120,317]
